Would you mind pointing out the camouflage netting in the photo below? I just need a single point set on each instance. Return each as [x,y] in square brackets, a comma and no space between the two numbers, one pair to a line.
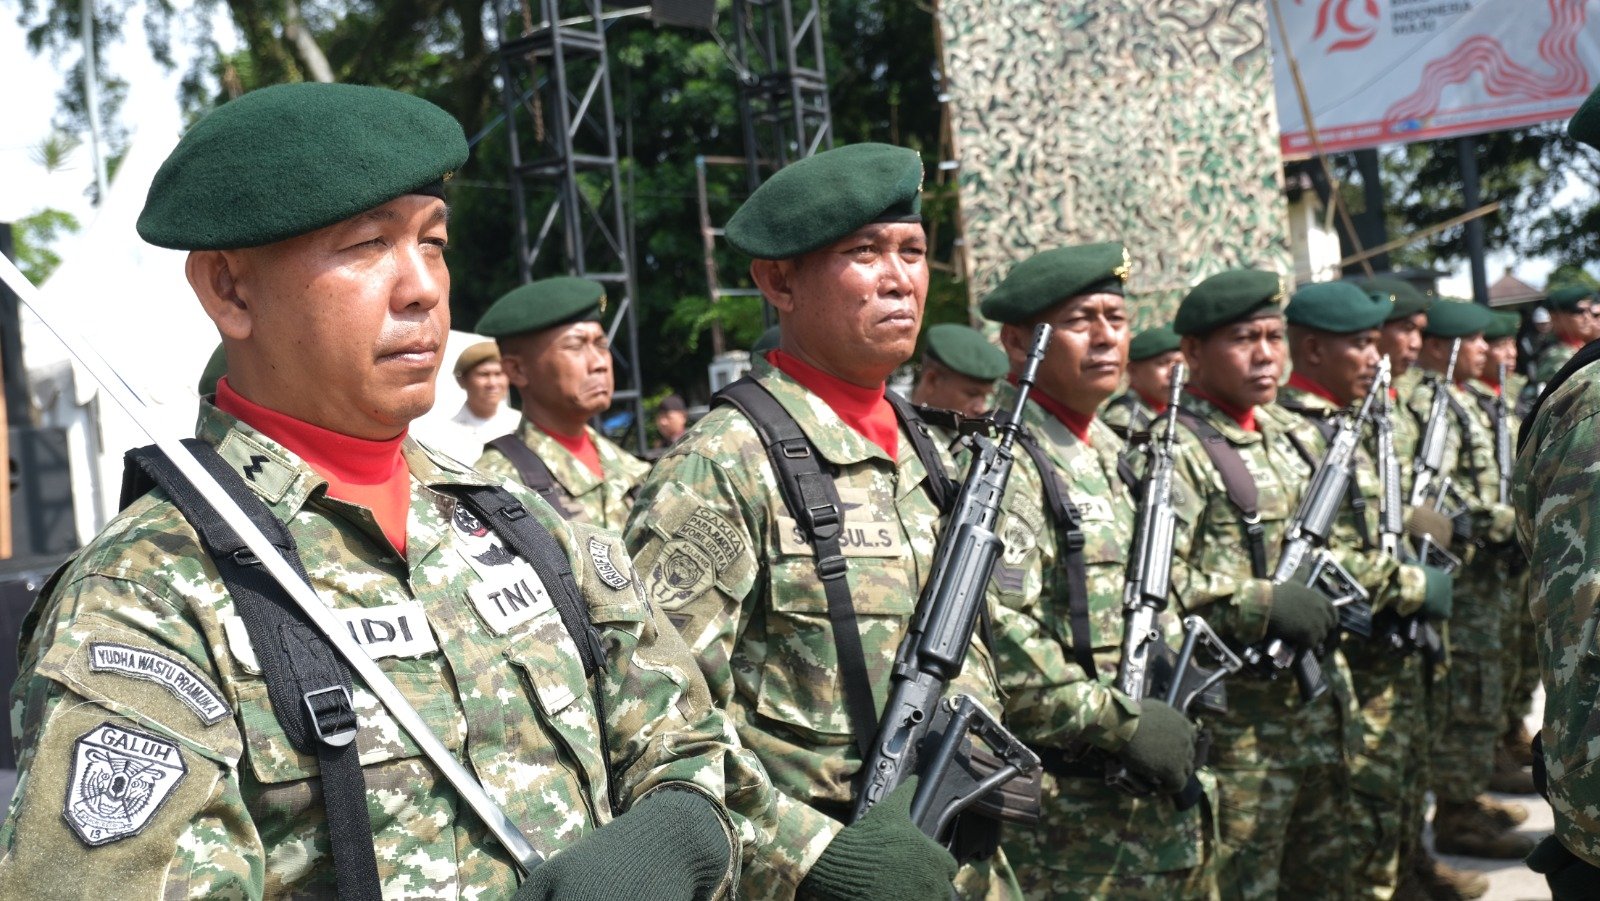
[1149,122]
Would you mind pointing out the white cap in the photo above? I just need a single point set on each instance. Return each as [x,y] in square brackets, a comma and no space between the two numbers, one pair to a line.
[1540,316]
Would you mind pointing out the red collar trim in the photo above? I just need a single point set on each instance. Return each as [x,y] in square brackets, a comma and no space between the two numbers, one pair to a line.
[580,446]
[1244,419]
[1076,423]
[1574,343]
[1304,383]
[370,473]
[1158,405]
[865,410]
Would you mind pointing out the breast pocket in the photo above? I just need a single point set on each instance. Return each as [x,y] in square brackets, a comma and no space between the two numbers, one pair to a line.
[801,682]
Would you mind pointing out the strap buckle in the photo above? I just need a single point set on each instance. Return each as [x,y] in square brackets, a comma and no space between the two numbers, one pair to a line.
[830,568]
[822,520]
[1075,541]
[333,715]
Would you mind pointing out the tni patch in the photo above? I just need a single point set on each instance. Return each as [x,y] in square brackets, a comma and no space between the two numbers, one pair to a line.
[119,779]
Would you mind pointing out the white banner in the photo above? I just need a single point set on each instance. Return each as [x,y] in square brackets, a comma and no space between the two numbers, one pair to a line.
[1395,71]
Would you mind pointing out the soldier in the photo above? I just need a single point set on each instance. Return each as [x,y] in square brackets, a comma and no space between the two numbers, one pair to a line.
[799,661]
[1151,355]
[1468,701]
[1059,634]
[1554,499]
[959,368]
[1574,323]
[1520,655]
[154,756]
[485,415]
[1334,331]
[558,359]
[672,418]
[1280,761]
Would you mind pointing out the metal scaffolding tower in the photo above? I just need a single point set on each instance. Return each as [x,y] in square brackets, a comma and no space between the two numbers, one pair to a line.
[783,83]
[566,184]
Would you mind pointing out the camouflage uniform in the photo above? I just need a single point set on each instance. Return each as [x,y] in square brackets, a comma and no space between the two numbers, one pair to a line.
[1469,700]
[1126,413]
[1388,683]
[723,559]
[1281,765]
[1093,841]
[236,808]
[586,497]
[1550,362]
[1554,497]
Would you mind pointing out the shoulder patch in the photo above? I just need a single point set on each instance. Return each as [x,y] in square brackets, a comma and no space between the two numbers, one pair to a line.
[177,678]
[600,554]
[120,777]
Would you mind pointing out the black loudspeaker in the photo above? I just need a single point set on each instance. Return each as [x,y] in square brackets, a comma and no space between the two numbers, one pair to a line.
[42,522]
[20,581]
[701,14]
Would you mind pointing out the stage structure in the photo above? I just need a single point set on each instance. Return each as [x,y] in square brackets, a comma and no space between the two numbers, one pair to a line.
[1151,122]
[784,113]
[565,180]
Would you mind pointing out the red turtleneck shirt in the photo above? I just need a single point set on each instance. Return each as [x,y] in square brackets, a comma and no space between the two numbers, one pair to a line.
[864,409]
[370,473]
[1245,419]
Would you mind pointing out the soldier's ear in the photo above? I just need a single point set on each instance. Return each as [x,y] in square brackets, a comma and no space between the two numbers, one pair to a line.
[1016,341]
[775,278]
[215,277]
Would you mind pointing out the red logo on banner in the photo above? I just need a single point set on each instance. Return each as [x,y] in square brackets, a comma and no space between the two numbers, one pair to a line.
[1342,16]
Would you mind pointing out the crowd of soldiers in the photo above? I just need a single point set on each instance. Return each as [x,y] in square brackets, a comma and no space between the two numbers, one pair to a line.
[663,680]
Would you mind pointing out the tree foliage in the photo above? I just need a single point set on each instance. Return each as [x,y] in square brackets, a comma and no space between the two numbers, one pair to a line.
[35,238]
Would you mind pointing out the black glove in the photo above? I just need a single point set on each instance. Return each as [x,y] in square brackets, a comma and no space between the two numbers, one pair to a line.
[1300,615]
[882,857]
[1162,747]
[669,845]
[1570,877]
[1438,598]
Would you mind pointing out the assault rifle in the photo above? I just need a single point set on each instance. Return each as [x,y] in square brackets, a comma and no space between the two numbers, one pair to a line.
[1146,657]
[1414,631]
[921,731]
[1504,454]
[1427,468]
[1305,546]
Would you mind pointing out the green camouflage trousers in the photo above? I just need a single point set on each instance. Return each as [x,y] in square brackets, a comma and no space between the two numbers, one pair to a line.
[1386,772]
[1469,698]
[1521,658]
[988,880]
[1285,832]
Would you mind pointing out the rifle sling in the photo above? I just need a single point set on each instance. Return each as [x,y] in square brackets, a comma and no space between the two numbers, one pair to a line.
[532,470]
[1070,521]
[1238,481]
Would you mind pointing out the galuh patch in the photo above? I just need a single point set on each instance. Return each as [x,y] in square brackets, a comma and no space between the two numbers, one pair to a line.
[120,777]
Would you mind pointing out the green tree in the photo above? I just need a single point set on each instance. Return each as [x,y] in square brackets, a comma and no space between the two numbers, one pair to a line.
[35,238]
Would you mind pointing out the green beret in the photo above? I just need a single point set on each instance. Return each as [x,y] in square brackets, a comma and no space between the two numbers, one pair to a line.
[1457,319]
[1567,297]
[1407,299]
[1337,307]
[967,351]
[542,304]
[216,368]
[769,340]
[1045,279]
[814,202]
[1585,124]
[1502,324]
[293,158]
[1228,297]
[1153,342]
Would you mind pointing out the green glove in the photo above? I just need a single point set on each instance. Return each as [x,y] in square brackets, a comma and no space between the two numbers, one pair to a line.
[882,857]
[1570,877]
[1438,597]
[1300,615]
[669,845]
[1162,747]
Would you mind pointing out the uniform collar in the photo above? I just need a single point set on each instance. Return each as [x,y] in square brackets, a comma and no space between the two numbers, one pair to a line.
[837,442]
[1242,420]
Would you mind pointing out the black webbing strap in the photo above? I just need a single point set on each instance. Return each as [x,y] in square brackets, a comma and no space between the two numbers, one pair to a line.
[1238,481]
[1353,496]
[531,469]
[1137,420]
[813,500]
[529,540]
[1070,521]
[941,487]
[1585,355]
[307,683]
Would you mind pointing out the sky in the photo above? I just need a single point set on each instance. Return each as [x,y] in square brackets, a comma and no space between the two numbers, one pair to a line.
[29,104]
